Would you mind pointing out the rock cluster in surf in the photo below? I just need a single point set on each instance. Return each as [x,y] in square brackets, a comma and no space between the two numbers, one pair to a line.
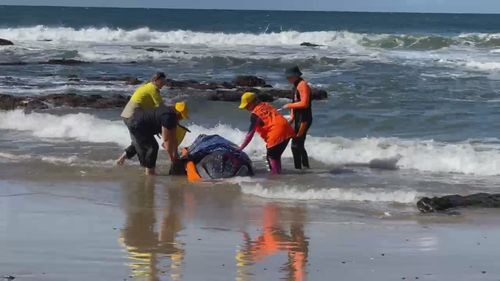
[213,91]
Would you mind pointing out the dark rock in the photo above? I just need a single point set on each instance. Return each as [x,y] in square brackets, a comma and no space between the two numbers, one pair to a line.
[235,96]
[65,62]
[319,94]
[316,94]
[249,81]
[128,80]
[154,50]
[227,85]
[8,102]
[267,95]
[132,81]
[13,63]
[193,84]
[34,104]
[307,44]
[5,42]
[436,204]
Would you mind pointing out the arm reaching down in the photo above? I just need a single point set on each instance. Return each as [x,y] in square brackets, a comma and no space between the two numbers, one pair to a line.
[248,139]
[170,143]
[254,122]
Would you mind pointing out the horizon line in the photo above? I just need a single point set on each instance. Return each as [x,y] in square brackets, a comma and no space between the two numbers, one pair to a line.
[254,10]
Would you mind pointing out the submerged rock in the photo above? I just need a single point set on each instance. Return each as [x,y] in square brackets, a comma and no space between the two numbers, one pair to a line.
[249,81]
[132,81]
[307,44]
[154,50]
[65,62]
[5,42]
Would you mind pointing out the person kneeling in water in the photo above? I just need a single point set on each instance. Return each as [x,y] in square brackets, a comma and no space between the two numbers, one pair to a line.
[271,126]
[145,124]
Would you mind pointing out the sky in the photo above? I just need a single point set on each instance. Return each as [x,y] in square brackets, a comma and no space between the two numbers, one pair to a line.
[425,6]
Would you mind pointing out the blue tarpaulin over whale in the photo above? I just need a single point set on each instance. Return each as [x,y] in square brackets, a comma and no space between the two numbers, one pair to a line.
[216,157]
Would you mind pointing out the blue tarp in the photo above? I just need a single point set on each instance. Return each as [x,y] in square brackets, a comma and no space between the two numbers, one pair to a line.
[217,157]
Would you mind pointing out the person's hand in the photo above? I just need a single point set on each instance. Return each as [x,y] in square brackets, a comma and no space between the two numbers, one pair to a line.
[184,152]
[284,107]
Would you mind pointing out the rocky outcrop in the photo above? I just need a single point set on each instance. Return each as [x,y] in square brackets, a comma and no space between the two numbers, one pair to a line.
[439,204]
[249,81]
[264,94]
[213,91]
[8,102]
[5,42]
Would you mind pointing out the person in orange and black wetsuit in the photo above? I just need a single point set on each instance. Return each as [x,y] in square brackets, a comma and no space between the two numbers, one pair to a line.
[271,126]
[301,113]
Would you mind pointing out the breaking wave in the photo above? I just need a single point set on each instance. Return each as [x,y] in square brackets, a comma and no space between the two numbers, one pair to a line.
[64,35]
[467,157]
[340,194]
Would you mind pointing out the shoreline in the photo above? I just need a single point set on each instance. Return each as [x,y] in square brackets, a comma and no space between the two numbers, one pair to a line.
[143,230]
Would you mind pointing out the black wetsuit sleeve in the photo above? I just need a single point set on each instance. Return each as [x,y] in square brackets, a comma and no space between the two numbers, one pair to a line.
[169,120]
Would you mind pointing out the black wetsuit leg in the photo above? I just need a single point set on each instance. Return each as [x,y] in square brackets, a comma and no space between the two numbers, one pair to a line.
[300,157]
[146,147]
[276,151]
[130,150]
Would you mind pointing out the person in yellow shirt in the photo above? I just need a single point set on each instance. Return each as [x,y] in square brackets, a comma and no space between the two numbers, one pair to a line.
[146,97]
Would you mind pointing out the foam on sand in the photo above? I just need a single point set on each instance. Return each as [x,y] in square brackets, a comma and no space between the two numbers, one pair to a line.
[287,192]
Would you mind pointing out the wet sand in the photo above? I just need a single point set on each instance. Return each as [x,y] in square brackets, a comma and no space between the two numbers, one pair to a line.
[164,229]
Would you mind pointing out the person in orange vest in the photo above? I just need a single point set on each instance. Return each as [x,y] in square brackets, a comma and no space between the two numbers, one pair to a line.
[301,112]
[271,126]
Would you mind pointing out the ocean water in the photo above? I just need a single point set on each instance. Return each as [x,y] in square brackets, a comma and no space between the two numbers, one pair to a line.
[413,107]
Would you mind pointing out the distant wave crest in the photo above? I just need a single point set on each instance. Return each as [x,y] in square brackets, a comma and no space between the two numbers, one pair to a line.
[285,38]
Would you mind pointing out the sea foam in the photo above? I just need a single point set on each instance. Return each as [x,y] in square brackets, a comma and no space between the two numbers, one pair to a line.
[466,157]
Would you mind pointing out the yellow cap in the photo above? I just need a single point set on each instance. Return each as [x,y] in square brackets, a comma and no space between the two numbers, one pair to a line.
[182,108]
[246,98]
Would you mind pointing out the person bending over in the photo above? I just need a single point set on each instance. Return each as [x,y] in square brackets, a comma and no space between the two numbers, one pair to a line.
[146,97]
[144,125]
[271,126]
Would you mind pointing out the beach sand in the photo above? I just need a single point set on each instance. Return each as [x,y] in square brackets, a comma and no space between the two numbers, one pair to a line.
[137,228]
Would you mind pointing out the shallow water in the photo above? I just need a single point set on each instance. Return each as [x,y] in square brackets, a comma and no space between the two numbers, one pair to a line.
[412,112]
[142,229]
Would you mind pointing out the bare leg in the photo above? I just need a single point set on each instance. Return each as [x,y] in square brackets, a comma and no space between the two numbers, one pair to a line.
[122,159]
[150,172]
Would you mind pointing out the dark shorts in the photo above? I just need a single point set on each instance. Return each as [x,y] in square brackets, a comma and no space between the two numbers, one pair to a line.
[276,151]
[144,145]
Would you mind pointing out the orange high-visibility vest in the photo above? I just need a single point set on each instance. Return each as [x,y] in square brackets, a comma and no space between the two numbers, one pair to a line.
[276,128]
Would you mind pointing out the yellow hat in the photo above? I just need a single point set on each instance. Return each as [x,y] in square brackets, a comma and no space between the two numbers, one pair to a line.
[182,108]
[247,98]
